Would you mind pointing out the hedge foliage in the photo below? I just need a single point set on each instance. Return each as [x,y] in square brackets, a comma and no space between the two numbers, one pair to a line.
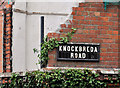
[70,78]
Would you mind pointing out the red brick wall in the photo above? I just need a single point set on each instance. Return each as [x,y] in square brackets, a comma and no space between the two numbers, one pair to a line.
[5,64]
[7,39]
[94,25]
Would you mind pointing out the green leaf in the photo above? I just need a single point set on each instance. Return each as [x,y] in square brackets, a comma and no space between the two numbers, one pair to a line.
[74,29]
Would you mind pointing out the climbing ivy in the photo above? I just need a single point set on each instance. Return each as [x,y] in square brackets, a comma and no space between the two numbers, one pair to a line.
[49,45]
[69,78]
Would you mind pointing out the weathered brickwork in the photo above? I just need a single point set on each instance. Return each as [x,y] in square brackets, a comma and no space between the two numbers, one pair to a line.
[7,62]
[5,37]
[94,25]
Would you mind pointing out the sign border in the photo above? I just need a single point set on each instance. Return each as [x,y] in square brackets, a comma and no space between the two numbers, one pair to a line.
[81,60]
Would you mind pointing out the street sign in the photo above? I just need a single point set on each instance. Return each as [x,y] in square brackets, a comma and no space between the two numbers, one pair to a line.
[79,52]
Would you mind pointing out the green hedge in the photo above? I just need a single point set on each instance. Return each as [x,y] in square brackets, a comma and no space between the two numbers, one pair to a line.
[71,78]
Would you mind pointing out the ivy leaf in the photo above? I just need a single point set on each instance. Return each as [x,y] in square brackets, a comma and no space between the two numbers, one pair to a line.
[35,50]
[74,29]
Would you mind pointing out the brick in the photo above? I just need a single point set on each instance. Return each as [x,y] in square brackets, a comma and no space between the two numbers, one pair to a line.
[102,31]
[74,40]
[8,67]
[103,18]
[113,54]
[1,20]
[109,14]
[108,23]
[78,26]
[52,61]
[86,31]
[104,54]
[103,36]
[51,57]
[0,69]
[84,4]
[79,36]
[114,28]
[52,52]
[8,70]
[103,50]
[89,63]
[90,18]
[90,9]
[61,30]
[63,25]
[97,40]
[66,30]
[97,32]
[91,36]
[1,51]
[92,31]
[91,14]
[73,13]
[97,13]
[109,59]
[8,59]
[74,22]
[113,63]
[79,13]
[8,55]
[115,32]
[105,14]
[49,34]
[96,5]
[113,10]
[109,32]
[1,59]
[8,51]
[1,11]
[79,31]
[86,40]
[113,19]
[104,45]
[85,13]
[108,41]
[116,23]
[69,26]
[79,8]
[116,50]
[114,36]
[100,9]
[84,22]
[90,27]
[115,14]
[8,62]
[114,46]
[8,6]
[73,8]
[96,23]
[103,27]
[78,17]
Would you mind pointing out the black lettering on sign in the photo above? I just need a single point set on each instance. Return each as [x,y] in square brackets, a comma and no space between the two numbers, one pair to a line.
[79,52]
